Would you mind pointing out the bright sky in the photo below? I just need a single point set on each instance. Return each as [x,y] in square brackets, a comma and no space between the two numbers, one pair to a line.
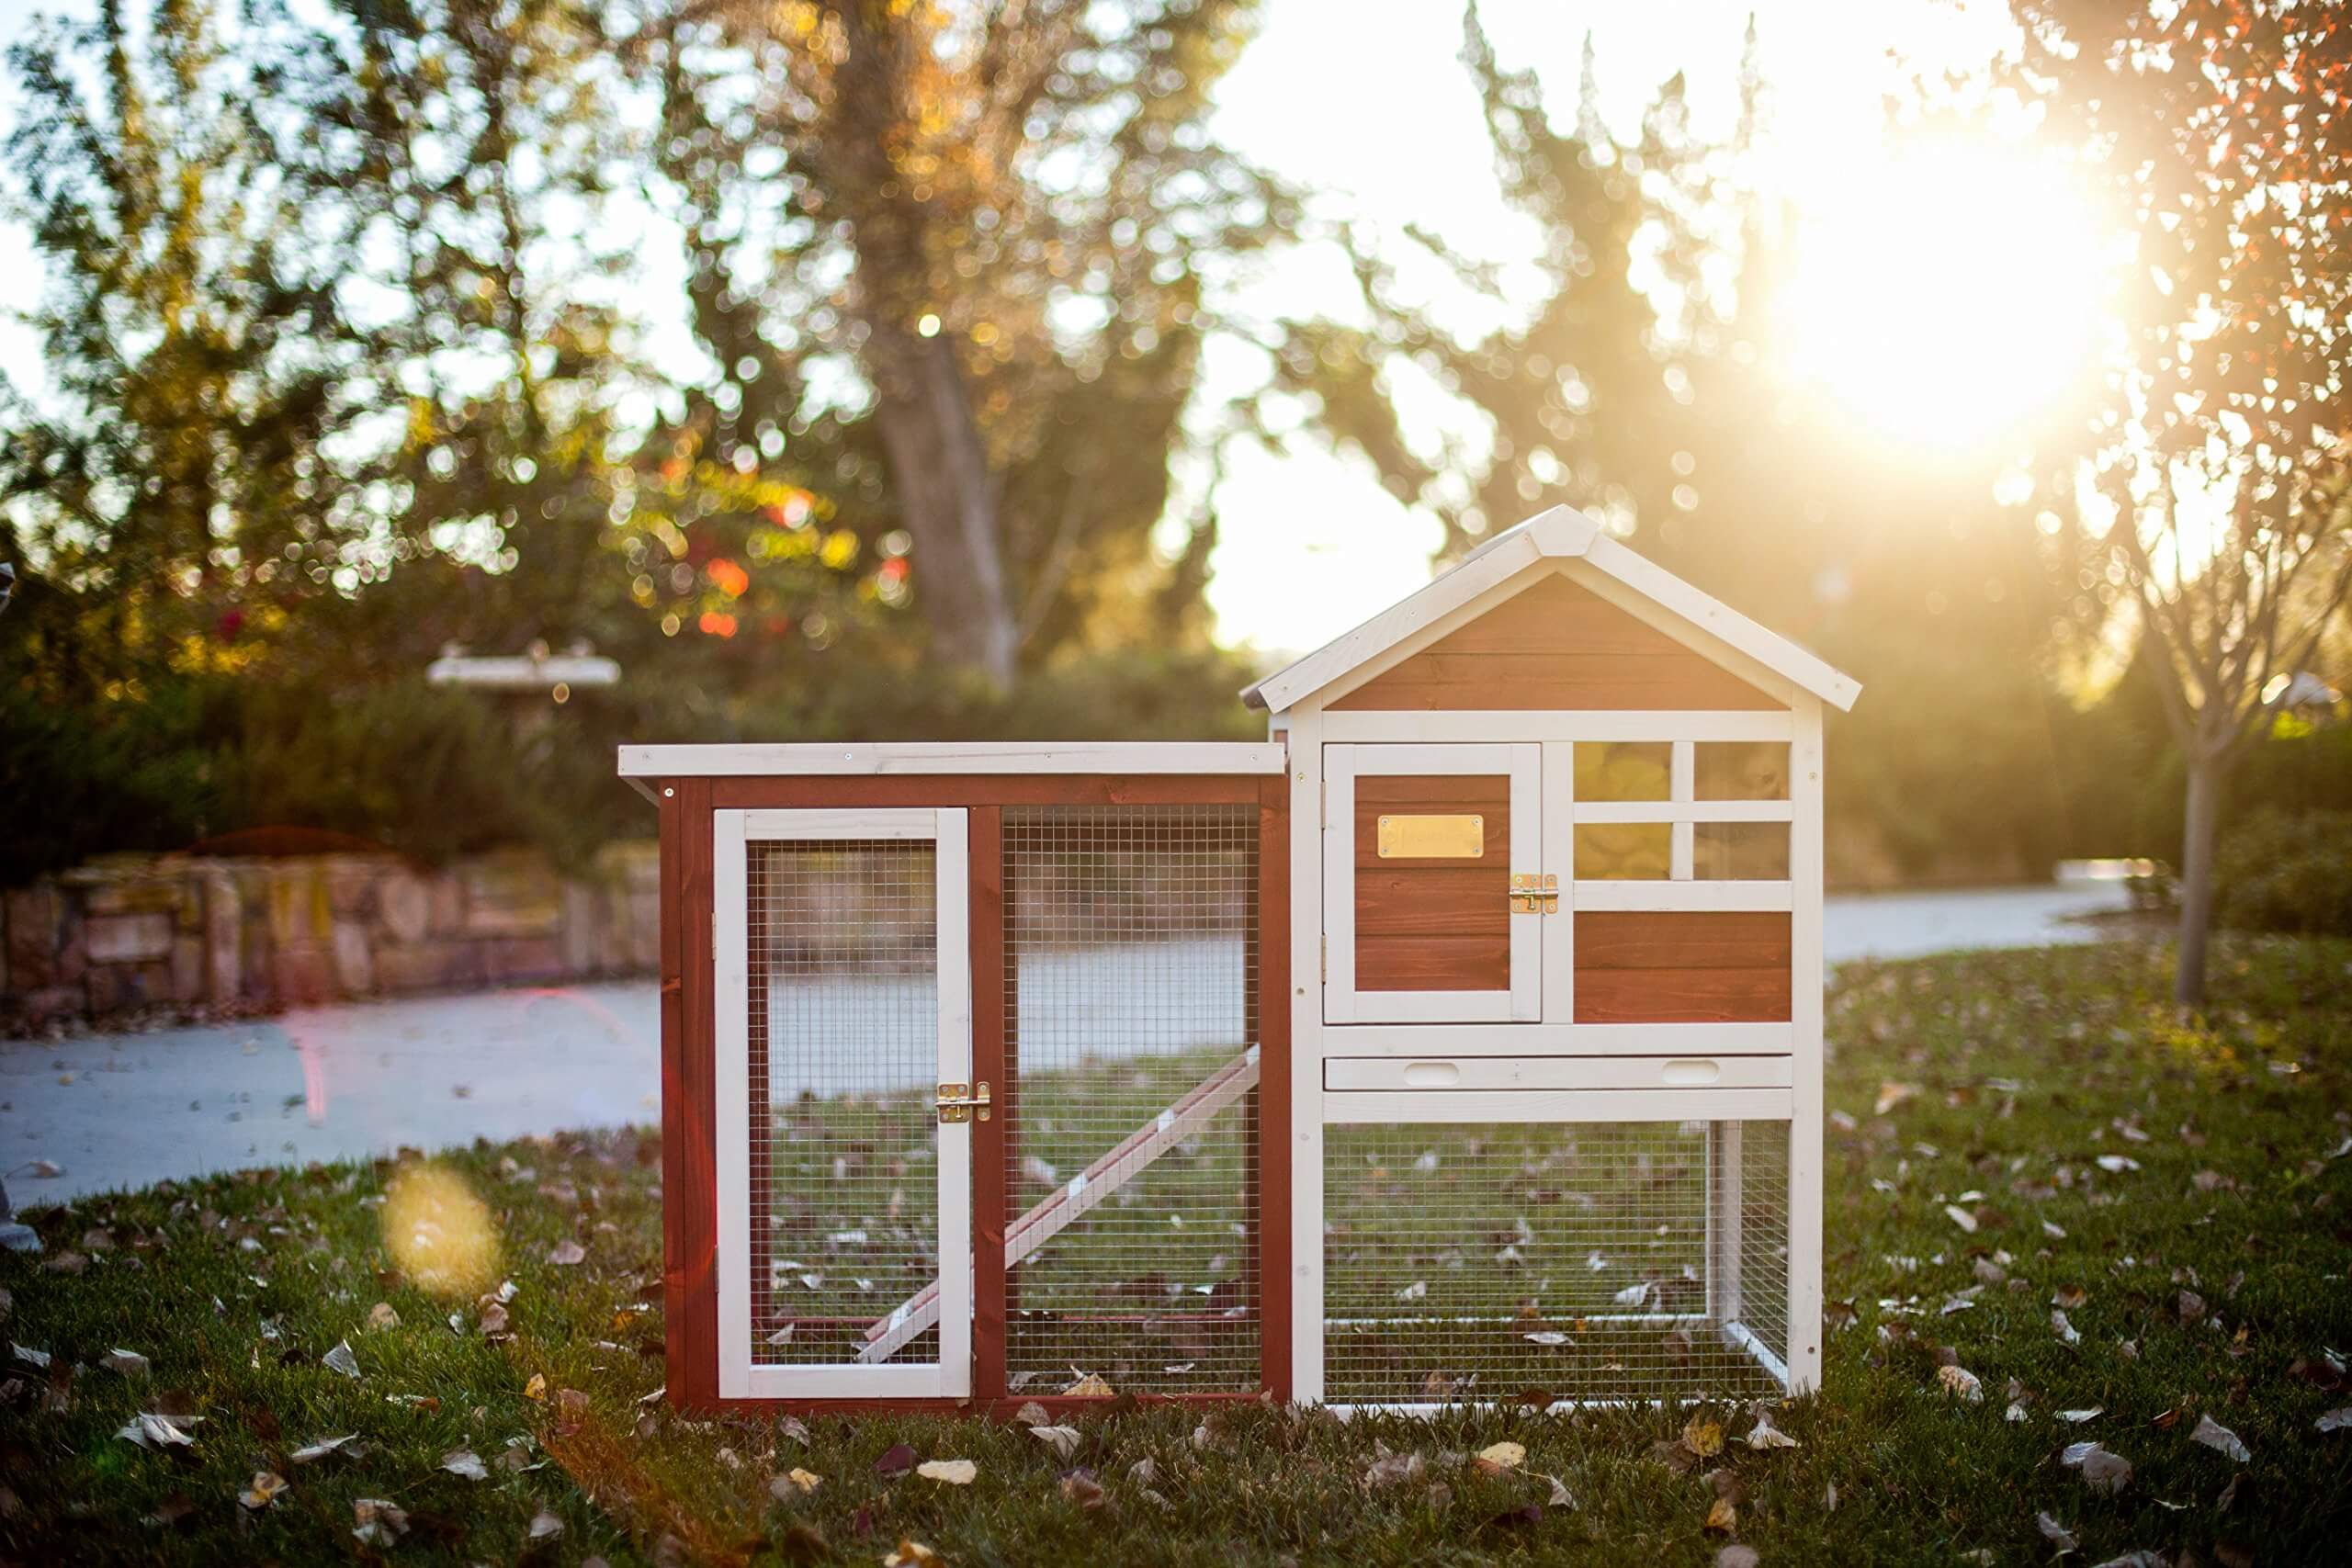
[1364,100]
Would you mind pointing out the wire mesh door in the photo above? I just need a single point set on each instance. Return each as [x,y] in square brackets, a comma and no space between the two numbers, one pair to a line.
[843,1063]
[1130,982]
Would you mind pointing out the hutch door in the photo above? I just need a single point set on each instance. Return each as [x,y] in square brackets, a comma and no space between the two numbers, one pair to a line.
[1434,886]
[843,1063]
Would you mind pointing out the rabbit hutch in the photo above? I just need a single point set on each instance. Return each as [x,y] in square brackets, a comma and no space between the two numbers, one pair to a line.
[1462,1039]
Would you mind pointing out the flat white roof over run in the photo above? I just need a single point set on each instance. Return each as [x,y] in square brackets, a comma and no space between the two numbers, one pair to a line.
[905,757]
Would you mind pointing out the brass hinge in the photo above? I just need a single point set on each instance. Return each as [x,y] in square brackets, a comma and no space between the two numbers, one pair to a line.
[1532,895]
[958,1101]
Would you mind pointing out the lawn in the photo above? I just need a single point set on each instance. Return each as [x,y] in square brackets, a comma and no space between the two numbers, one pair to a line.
[2184,1191]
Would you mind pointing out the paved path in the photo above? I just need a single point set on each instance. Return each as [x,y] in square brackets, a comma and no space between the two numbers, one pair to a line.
[334,1082]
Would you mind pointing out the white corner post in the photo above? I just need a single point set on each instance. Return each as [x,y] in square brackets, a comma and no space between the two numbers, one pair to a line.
[1805,769]
[1306,927]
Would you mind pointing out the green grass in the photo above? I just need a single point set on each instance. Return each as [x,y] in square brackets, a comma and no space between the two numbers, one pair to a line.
[2025,1068]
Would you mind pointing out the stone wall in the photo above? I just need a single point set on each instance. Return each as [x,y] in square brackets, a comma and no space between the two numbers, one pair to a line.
[246,934]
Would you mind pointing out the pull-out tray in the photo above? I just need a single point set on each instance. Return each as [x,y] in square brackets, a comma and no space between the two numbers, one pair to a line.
[1557,1089]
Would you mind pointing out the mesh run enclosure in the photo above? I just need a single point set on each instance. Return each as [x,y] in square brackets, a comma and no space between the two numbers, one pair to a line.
[1131,959]
[1637,1260]
[843,1021]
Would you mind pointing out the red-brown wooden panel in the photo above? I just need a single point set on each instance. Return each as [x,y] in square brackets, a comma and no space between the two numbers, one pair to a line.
[754,791]
[1435,924]
[1273,1221]
[1556,645]
[1682,967]
[689,1101]
[989,1155]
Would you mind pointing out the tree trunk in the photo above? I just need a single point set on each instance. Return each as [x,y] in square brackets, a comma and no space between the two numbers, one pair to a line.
[2208,771]
[940,470]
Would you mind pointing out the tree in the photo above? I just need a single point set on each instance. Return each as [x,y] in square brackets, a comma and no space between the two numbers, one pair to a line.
[170,482]
[951,258]
[1650,382]
[2213,476]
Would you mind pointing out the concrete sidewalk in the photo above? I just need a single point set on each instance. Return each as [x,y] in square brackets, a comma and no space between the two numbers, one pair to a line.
[364,1078]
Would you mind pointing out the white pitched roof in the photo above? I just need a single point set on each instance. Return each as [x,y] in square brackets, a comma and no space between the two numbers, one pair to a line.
[1558,534]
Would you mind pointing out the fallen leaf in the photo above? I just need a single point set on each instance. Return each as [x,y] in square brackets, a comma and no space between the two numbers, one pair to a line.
[537,1389]
[544,1526]
[790,1425]
[2104,1472]
[311,1452]
[1032,1414]
[465,1462]
[1961,1217]
[1092,1386]
[2335,1420]
[67,1263]
[568,1253]
[953,1471]
[2069,1297]
[376,1522]
[29,1356]
[2057,1534]
[1083,1490]
[129,1363]
[2220,1439]
[381,1316]
[1390,1469]
[1766,1435]
[1724,1516]
[1736,1556]
[794,1482]
[2067,1332]
[911,1553]
[266,1485]
[153,1431]
[1703,1435]
[1546,1336]
[341,1359]
[1891,1094]
[1504,1455]
[897,1460]
[1063,1441]
[2191,1306]
[1962,1383]
[2077,1417]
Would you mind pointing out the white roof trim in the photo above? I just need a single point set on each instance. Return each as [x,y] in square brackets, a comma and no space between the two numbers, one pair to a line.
[902,757]
[1560,533]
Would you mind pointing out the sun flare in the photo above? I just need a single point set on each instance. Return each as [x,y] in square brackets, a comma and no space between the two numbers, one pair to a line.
[1949,294]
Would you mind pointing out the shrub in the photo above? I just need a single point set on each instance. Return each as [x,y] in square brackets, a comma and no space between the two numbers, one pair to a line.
[2287,872]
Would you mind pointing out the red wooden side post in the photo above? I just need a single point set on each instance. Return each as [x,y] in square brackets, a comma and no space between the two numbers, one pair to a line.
[1273,1216]
[989,1151]
[689,1099]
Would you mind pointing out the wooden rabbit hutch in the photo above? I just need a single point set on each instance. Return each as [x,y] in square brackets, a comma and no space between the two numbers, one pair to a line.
[1464,1039]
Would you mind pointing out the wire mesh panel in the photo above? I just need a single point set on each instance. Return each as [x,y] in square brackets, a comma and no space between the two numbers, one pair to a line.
[844,1021]
[1131,955]
[1589,1260]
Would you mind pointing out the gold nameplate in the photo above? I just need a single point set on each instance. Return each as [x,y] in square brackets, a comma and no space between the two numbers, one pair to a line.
[1433,838]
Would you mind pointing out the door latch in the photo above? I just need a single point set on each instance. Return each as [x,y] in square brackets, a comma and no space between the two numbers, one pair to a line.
[1533,894]
[959,1101]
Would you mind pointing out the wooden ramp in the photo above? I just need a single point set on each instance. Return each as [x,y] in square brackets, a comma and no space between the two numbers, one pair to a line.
[1069,1201]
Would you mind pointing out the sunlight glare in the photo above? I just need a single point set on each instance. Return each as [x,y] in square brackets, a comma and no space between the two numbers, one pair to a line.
[1949,295]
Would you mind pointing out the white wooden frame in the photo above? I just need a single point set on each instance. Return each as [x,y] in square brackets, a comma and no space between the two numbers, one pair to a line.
[739,1378]
[1342,1003]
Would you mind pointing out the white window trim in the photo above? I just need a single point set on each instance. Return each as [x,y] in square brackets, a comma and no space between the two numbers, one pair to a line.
[951,1376]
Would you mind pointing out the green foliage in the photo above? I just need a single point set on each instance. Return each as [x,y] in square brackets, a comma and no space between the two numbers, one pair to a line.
[2018,1060]
[2287,872]
[436,773]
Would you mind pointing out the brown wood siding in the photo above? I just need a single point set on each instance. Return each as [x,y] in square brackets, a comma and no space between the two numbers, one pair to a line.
[1438,924]
[1270,1219]
[1556,645]
[689,1101]
[1681,967]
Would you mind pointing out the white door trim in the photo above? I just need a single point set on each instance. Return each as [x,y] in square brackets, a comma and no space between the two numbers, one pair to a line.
[951,1376]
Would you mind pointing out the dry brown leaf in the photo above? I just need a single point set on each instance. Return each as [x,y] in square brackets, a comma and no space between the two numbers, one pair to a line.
[1961,1383]
[568,1253]
[1503,1455]
[952,1471]
[381,1316]
[1724,1516]
[1703,1435]
[544,1526]
[911,1553]
[378,1522]
[2220,1439]
[1063,1441]
[1093,1385]
[310,1453]
[537,1389]
[266,1485]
